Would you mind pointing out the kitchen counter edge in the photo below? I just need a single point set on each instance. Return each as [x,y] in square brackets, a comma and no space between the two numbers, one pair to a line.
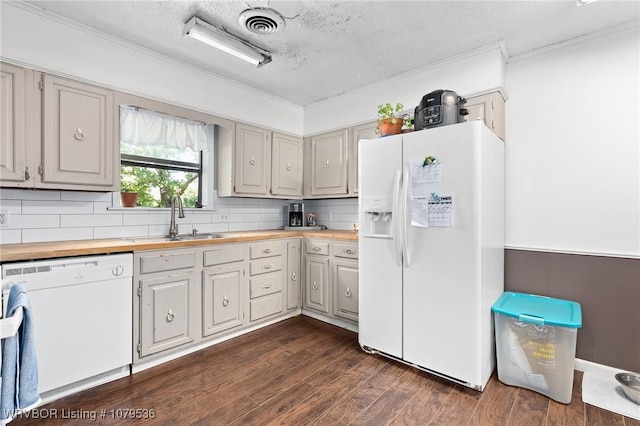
[52,249]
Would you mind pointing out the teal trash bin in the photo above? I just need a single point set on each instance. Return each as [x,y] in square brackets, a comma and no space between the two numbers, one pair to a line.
[536,343]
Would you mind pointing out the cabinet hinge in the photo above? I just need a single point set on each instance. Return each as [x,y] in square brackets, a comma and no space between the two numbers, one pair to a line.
[41,85]
[40,169]
[27,175]
[139,291]
[139,348]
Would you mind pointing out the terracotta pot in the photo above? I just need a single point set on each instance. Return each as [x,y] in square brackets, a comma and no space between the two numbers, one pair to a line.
[128,199]
[386,127]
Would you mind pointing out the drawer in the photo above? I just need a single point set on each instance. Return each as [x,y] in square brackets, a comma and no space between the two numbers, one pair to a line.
[262,266]
[167,262]
[265,306]
[224,254]
[345,250]
[315,247]
[266,284]
[265,249]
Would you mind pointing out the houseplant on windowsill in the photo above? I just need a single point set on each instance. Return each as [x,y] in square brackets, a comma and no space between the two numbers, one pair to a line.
[128,194]
[392,119]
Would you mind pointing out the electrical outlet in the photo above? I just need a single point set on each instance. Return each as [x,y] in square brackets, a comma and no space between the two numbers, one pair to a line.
[4,218]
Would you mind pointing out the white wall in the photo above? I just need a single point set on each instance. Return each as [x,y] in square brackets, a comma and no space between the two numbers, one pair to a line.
[48,45]
[469,74]
[573,148]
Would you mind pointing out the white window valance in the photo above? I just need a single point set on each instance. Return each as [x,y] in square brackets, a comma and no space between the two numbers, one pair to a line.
[142,127]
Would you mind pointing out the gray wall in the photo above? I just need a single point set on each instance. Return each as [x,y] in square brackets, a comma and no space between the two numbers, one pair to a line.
[607,288]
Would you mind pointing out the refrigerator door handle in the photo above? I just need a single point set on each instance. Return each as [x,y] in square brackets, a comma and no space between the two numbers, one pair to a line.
[396,231]
[404,202]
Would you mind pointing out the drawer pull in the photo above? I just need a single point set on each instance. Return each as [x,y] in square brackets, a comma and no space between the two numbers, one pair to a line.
[348,292]
[266,267]
[349,251]
[266,286]
[170,315]
[80,136]
[225,301]
[315,285]
[293,276]
[266,251]
[316,248]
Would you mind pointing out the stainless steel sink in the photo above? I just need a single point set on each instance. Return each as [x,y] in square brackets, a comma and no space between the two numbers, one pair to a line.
[181,237]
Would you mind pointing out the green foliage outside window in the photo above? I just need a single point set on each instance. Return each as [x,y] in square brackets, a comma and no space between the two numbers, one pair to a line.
[157,187]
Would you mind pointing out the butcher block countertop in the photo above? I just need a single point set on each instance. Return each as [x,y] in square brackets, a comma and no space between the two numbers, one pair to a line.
[47,250]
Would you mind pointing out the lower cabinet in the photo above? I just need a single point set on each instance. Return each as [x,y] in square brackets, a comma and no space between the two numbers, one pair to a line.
[331,278]
[345,294]
[167,287]
[317,283]
[222,301]
[293,279]
[266,280]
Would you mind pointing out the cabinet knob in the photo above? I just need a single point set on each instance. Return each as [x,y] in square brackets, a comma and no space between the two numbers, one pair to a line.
[315,285]
[293,276]
[266,251]
[79,135]
[348,292]
[316,248]
[225,301]
[252,161]
[327,164]
[170,315]
[288,166]
[266,286]
[266,267]
[348,251]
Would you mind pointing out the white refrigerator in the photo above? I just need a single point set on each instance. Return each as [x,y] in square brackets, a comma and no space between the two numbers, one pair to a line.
[431,214]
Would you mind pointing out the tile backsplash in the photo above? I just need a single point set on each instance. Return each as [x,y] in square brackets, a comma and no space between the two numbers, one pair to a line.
[38,216]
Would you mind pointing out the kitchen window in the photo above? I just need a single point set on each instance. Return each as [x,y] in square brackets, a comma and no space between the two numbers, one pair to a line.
[161,157]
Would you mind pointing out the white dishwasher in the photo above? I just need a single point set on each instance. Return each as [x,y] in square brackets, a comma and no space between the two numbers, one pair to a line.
[82,317]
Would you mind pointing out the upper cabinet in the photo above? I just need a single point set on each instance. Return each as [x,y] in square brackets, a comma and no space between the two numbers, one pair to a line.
[364,131]
[265,164]
[16,132]
[490,108]
[78,147]
[326,166]
[252,160]
[56,133]
[331,162]
[286,166]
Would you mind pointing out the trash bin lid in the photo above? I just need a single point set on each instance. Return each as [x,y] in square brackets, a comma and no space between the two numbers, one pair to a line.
[539,310]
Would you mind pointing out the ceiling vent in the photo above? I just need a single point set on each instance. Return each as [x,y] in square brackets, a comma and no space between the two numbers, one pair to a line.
[261,20]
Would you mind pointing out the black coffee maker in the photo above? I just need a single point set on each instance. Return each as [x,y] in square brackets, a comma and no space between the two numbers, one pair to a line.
[296,214]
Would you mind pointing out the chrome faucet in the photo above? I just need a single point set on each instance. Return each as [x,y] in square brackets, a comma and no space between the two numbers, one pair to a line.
[173,226]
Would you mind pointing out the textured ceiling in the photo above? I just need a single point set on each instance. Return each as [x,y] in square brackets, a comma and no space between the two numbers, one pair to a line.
[331,47]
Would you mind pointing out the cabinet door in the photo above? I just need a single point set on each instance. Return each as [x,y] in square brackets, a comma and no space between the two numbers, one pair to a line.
[252,160]
[78,149]
[293,274]
[365,131]
[317,283]
[16,135]
[490,108]
[286,166]
[345,294]
[222,298]
[164,307]
[328,158]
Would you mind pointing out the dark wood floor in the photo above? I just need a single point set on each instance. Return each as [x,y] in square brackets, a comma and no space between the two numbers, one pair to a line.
[304,372]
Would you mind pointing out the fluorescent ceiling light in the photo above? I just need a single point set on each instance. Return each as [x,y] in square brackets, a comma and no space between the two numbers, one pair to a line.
[583,2]
[202,31]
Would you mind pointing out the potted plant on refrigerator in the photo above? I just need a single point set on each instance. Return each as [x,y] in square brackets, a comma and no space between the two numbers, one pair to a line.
[391,119]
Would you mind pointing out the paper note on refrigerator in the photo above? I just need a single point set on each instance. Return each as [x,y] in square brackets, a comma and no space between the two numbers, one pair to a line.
[439,210]
[425,180]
